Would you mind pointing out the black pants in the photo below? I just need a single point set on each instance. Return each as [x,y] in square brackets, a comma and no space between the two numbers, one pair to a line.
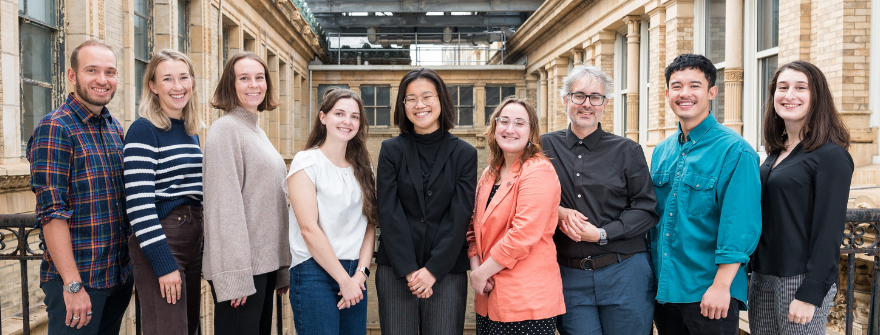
[108,306]
[254,317]
[402,313]
[685,319]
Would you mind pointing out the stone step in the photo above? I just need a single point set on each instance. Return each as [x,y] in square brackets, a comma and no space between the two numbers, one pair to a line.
[868,175]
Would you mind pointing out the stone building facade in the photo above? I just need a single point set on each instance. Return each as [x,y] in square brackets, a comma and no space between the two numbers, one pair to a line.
[37,37]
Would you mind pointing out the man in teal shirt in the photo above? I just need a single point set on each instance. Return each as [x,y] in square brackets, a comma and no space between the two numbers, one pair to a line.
[708,197]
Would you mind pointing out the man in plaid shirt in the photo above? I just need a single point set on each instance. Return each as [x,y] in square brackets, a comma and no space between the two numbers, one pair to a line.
[76,173]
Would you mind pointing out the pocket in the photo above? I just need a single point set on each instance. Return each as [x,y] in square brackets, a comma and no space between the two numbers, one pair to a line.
[701,193]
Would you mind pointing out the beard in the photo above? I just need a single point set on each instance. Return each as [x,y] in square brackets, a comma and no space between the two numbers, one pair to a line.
[84,93]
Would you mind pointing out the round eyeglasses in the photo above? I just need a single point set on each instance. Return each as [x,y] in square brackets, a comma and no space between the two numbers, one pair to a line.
[580,98]
[411,101]
[505,122]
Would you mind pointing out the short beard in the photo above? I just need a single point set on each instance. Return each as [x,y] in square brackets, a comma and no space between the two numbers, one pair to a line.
[83,92]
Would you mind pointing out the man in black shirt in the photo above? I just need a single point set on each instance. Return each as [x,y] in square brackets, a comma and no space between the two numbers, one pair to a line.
[607,206]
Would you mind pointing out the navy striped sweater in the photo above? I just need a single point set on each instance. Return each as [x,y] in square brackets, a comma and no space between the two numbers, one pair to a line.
[163,170]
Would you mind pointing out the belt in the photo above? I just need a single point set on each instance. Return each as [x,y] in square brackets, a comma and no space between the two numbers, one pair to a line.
[592,262]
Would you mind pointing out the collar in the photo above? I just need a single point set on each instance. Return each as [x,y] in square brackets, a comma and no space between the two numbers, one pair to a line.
[250,119]
[590,141]
[699,130]
[84,113]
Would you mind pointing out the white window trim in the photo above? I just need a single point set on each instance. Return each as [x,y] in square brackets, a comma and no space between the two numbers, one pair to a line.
[874,79]
[644,80]
[619,89]
[752,76]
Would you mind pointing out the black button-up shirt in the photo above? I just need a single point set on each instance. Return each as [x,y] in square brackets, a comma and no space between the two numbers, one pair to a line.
[605,177]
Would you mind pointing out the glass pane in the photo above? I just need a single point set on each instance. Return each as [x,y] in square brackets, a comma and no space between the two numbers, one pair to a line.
[21,7]
[368,95]
[140,7]
[715,30]
[383,96]
[625,124]
[41,10]
[383,116]
[467,96]
[717,105]
[453,91]
[623,56]
[37,43]
[466,116]
[370,111]
[489,111]
[768,24]
[37,103]
[182,30]
[768,67]
[493,96]
[507,91]
[140,38]
[140,68]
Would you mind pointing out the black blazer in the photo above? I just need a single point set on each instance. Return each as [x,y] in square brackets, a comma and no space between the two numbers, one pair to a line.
[425,228]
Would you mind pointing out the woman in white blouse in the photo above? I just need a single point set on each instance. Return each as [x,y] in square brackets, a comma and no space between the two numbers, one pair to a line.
[333,218]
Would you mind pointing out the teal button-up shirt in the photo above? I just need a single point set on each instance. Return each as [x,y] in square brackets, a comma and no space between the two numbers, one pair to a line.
[709,200]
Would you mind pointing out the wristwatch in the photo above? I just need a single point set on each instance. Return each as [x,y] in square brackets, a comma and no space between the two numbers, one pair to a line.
[603,237]
[365,270]
[73,287]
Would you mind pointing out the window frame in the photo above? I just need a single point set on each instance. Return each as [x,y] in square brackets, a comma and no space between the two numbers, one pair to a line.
[183,39]
[488,106]
[56,76]
[620,85]
[457,104]
[138,82]
[752,76]
[371,110]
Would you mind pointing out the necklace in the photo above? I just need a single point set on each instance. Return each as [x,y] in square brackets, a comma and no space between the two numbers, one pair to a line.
[791,145]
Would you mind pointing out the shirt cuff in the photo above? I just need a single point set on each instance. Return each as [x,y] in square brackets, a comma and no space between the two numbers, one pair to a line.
[499,256]
[233,284]
[613,230]
[161,259]
[730,257]
[56,214]
[811,292]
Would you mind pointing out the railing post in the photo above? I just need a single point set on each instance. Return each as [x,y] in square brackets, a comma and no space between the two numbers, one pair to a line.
[850,290]
[874,319]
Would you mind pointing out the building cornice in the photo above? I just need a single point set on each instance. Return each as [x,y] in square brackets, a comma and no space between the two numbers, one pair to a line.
[287,20]
[543,24]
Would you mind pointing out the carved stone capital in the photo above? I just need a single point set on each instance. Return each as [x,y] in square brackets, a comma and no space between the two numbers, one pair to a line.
[733,74]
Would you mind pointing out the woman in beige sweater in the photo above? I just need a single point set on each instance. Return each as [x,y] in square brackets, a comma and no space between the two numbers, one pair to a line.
[246,249]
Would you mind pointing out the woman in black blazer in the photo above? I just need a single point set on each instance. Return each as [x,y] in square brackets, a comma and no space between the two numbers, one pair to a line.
[426,183]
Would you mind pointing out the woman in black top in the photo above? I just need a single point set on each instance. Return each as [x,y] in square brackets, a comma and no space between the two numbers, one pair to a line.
[805,185]
[425,185]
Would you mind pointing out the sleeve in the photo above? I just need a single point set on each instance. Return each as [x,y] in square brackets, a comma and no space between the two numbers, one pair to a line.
[302,160]
[831,189]
[396,236]
[740,205]
[50,153]
[141,154]
[227,261]
[640,214]
[534,209]
[446,250]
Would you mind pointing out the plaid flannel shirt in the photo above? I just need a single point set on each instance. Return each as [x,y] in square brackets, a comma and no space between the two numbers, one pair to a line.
[76,174]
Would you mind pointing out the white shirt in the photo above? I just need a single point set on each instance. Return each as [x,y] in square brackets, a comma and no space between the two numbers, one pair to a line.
[340,214]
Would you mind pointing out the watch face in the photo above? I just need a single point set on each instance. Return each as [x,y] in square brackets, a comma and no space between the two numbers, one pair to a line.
[74,287]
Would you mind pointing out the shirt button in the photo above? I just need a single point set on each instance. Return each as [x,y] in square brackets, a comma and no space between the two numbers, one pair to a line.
[580,142]
[423,219]
[579,195]
[578,174]
[667,234]
[429,193]
[677,173]
[682,154]
[579,156]
[670,214]
[674,193]
[664,254]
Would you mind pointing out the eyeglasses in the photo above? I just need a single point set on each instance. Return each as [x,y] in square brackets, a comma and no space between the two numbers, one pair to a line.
[504,122]
[411,101]
[580,98]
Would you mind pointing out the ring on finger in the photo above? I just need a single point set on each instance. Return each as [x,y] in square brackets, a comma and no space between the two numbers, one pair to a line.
[89,313]
[76,318]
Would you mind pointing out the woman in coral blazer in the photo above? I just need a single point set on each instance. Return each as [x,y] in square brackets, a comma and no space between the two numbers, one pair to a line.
[511,249]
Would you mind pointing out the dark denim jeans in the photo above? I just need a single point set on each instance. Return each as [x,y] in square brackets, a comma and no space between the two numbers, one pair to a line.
[313,298]
[616,299]
[686,319]
[108,306]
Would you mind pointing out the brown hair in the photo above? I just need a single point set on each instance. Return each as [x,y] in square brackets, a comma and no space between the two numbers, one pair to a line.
[533,149]
[225,97]
[447,107]
[822,123]
[74,56]
[150,108]
[356,152]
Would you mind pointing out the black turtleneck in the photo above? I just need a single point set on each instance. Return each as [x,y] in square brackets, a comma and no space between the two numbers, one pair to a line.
[428,145]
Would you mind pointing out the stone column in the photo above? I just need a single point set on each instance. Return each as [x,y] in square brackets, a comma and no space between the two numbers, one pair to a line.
[543,99]
[657,59]
[578,56]
[679,40]
[479,116]
[604,60]
[589,52]
[632,78]
[733,69]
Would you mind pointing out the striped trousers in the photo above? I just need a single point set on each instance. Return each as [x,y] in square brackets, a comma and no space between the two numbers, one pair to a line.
[769,299]
[402,313]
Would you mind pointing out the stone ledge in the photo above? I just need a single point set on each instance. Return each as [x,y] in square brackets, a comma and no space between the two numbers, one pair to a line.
[38,319]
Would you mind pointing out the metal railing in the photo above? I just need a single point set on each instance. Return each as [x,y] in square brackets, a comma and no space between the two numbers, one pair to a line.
[19,228]
[414,48]
[861,237]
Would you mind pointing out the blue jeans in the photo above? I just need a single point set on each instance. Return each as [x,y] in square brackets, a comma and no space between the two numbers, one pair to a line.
[313,298]
[617,299]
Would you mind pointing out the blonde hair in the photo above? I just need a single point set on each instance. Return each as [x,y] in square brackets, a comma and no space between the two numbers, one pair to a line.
[150,108]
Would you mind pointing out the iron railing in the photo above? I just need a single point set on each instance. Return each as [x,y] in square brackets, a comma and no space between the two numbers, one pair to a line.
[419,49]
[19,228]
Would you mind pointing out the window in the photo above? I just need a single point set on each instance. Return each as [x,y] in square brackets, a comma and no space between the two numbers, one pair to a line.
[377,104]
[621,64]
[41,62]
[322,89]
[142,45]
[714,30]
[494,96]
[182,24]
[768,50]
[463,98]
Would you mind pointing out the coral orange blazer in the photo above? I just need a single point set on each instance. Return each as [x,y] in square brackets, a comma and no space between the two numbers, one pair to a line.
[517,231]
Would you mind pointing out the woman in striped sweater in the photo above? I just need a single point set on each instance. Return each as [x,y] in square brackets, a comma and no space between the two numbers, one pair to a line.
[163,187]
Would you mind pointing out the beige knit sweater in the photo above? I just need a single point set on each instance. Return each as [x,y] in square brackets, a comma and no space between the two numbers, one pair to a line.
[246,217]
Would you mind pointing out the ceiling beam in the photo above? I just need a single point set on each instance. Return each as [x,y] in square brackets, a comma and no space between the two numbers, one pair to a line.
[336,21]
[416,6]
